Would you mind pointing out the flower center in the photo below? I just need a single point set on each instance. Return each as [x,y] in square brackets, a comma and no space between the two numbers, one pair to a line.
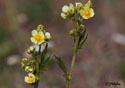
[87,12]
[38,37]
[30,79]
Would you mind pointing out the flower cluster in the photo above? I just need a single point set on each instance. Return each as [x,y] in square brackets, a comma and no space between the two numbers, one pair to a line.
[32,66]
[85,11]
[77,14]
[29,66]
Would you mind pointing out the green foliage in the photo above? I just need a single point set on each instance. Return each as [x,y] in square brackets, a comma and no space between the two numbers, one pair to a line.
[82,39]
[44,59]
[61,64]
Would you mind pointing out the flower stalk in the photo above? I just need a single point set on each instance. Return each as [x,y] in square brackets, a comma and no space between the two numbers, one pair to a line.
[73,63]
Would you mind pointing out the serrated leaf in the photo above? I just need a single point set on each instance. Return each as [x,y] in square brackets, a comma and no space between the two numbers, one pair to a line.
[61,64]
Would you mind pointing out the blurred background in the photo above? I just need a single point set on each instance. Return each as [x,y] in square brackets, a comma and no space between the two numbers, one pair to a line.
[101,60]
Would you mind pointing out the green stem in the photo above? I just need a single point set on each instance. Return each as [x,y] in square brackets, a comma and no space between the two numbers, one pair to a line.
[37,68]
[73,60]
[67,83]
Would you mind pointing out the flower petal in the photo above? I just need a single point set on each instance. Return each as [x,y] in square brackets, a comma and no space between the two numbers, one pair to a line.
[63,15]
[26,79]
[34,32]
[48,36]
[30,74]
[65,8]
[92,12]
[71,5]
[32,39]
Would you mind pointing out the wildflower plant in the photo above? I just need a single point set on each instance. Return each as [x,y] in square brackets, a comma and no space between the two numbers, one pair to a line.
[37,64]
[77,14]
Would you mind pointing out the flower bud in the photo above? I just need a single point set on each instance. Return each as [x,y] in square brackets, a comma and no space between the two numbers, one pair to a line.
[63,15]
[40,27]
[79,5]
[32,49]
[27,68]
[22,65]
[29,51]
[72,32]
[82,27]
[25,59]
[68,11]
[48,36]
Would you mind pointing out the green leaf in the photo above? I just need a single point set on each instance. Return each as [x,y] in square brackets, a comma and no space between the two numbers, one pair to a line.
[61,64]
[44,59]
[82,39]
[43,54]
[44,64]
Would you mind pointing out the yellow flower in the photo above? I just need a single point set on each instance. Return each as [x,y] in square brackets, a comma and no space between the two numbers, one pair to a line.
[37,37]
[87,13]
[30,78]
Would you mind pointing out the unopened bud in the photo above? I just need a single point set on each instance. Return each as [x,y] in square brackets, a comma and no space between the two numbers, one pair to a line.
[72,32]
[40,27]
[25,59]
[29,51]
[82,27]
[79,5]
[32,49]
[27,68]
[22,65]
[48,36]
